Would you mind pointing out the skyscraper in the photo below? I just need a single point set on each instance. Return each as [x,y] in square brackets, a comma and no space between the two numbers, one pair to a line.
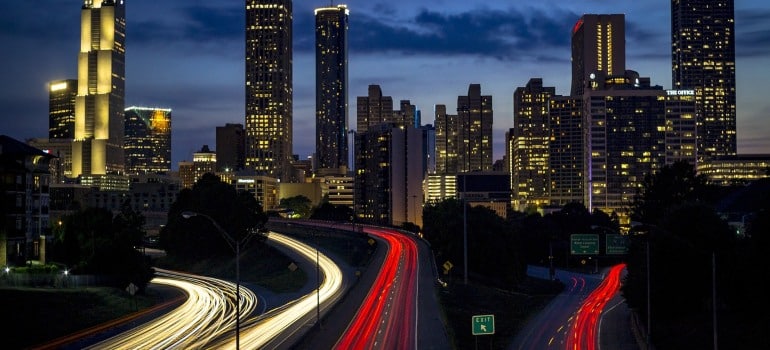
[269,87]
[703,59]
[331,91]
[474,112]
[625,128]
[61,108]
[531,135]
[99,105]
[230,147]
[566,161]
[598,50]
[447,129]
[373,109]
[147,140]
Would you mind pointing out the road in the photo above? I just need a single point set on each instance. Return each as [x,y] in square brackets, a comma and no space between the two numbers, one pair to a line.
[588,314]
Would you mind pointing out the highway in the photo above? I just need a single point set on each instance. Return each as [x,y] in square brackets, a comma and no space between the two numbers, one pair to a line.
[208,312]
[207,318]
[388,317]
[572,320]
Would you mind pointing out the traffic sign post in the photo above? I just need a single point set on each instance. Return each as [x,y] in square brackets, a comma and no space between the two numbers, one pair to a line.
[617,244]
[584,244]
[483,324]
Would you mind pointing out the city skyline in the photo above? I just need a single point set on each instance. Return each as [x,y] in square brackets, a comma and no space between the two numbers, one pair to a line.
[426,52]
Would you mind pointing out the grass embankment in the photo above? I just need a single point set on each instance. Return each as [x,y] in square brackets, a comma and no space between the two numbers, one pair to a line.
[461,302]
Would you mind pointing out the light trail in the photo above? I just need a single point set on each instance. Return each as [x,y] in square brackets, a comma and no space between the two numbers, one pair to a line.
[208,312]
[584,328]
[265,329]
[388,317]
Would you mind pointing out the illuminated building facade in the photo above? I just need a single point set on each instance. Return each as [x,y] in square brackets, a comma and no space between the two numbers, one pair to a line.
[566,160]
[474,113]
[269,88]
[598,50]
[231,147]
[263,188]
[147,140]
[681,128]
[61,108]
[187,174]
[97,148]
[373,109]
[204,161]
[703,59]
[625,140]
[390,168]
[331,92]
[531,136]
[735,170]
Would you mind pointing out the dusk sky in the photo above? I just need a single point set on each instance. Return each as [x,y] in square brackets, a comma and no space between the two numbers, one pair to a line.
[188,55]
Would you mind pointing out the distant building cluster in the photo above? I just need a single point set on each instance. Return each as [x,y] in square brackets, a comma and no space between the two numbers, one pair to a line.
[594,146]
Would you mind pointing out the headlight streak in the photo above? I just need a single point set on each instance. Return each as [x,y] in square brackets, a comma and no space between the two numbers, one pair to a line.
[259,333]
[208,313]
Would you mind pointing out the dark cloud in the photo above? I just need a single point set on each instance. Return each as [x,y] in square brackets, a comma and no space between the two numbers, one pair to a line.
[752,33]
[509,34]
[26,20]
[192,25]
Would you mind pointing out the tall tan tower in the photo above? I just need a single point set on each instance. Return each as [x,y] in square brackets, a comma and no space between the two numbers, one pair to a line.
[99,104]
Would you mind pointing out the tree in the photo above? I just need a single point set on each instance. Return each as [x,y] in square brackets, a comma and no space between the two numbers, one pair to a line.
[300,204]
[237,213]
[92,241]
[672,185]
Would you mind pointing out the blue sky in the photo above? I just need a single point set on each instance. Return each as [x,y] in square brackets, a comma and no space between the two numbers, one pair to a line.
[188,55]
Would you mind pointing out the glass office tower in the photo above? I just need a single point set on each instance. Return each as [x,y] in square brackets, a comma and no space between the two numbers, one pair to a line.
[269,87]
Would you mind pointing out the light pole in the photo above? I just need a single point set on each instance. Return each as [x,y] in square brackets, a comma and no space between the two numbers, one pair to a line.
[465,234]
[236,246]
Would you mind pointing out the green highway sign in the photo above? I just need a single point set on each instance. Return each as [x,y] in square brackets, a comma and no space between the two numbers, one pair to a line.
[483,324]
[617,244]
[584,244]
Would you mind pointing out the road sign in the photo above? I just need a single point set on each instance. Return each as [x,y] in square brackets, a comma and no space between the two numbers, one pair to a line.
[483,324]
[584,244]
[617,244]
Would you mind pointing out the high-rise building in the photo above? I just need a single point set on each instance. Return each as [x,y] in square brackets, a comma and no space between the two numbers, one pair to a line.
[231,147]
[625,128]
[598,50]
[566,162]
[681,128]
[373,109]
[61,108]
[447,129]
[147,140]
[97,148]
[204,161]
[531,136]
[474,112]
[331,92]
[390,170]
[269,88]
[703,59]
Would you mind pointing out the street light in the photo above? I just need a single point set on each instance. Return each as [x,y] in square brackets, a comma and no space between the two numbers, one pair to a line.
[236,246]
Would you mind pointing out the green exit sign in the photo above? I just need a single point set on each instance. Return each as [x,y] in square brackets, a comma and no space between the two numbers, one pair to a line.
[584,244]
[483,324]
